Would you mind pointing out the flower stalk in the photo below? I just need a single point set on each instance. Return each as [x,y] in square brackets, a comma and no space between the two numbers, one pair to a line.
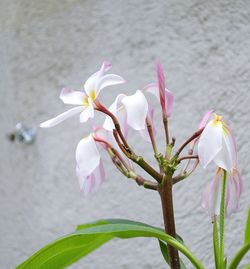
[165,191]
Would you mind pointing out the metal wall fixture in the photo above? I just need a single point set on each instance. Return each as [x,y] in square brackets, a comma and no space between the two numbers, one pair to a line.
[23,134]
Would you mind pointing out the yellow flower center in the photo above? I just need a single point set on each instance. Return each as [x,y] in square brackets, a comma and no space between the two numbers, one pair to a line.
[219,122]
[92,94]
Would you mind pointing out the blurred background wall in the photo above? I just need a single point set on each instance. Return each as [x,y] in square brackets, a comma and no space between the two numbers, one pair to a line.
[47,45]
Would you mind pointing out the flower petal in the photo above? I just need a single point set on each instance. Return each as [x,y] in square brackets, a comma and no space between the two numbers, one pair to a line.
[92,182]
[54,121]
[136,107]
[87,156]
[169,97]
[91,81]
[169,101]
[210,143]
[72,97]
[234,190]
[226,156]
[119,111]
[88,112]
[107,80]
[161,84]
[205,119]
[211,195]
[153,89]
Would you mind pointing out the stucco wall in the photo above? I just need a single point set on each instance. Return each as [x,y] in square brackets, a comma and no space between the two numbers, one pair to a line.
[45,45]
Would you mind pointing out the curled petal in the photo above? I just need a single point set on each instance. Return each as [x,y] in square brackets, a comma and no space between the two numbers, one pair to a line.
[119,111]
[210,143]
[87,156]
[90,84]
[234,190]
[205,119]
[211,196]
[54,121]
[169,97]
[226,157]
[92,182]
[136,107]
[161,84]
[170,101]
[88,112]
[107,80]
[72,97]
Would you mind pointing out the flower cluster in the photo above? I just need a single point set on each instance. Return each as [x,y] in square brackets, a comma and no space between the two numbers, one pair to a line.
[214,138]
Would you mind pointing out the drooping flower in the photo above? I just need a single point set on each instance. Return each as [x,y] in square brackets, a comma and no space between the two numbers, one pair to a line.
[217,144]
[85,99]
[131,111]
[89,168]
[211,197]
[159,90]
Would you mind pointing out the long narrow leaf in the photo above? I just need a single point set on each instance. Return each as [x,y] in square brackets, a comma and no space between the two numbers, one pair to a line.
[247,230]
[239,256]
[164,251]
[72,247]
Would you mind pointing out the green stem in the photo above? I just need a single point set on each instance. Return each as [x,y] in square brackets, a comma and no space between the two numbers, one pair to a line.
[222,218]
[216,243]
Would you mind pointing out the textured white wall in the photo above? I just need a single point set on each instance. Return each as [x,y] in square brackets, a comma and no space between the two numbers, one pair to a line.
[45,45]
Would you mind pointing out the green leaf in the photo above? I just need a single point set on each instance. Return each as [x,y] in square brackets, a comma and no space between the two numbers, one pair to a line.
[164,251]
[68,249]
[239,256]
[247,230]
[243,250]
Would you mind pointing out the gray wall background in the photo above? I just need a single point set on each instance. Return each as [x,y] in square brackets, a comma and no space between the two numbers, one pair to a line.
[46,45]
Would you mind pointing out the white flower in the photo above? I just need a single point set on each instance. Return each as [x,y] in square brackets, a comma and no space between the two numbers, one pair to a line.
[131,111]
[217,144]
[85,99]
[89,168]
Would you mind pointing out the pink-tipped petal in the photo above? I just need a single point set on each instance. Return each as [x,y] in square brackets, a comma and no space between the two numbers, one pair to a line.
[72,97]
[211,195]
[161,84]
[169,97]
[153,89]
[136,107]
[54,121]
[234,190]
[169,102]
[87,156]
[92,182]
[90,84]
[205,119]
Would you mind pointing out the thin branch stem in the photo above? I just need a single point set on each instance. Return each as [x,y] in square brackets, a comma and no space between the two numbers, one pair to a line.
[165,124]
[151,135]
[138,159]
[190,139]
[185,174]
[103,109]
[188,157]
